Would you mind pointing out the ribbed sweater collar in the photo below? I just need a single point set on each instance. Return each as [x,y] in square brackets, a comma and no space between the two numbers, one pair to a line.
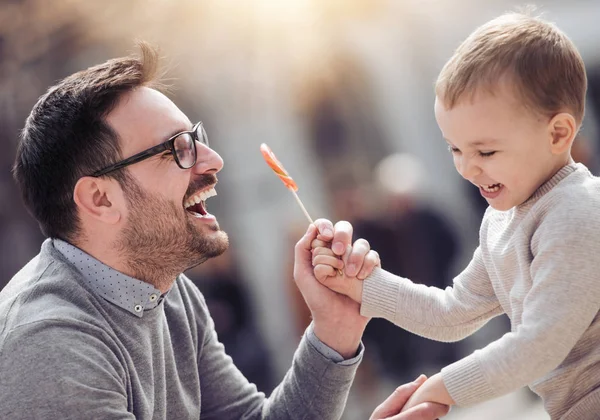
[547,186]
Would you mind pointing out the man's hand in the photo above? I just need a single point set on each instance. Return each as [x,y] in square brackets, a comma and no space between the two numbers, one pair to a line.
[391,407]
[337,320]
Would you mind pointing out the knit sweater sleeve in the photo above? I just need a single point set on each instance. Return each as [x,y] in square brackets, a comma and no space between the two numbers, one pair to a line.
[315,387]
[563,300]
[444,315]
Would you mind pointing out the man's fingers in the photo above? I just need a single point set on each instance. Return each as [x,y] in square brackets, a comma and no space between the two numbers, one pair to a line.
[304,244]
[303,269]
[325,228]
[425,411]
[371,261]
[356,258]
[339,235]
[342,237]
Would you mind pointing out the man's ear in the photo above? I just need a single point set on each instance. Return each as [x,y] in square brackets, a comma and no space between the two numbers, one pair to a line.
[562,129]
[98,198]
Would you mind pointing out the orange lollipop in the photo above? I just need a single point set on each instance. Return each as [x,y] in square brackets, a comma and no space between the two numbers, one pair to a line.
[287,180]
[277,167]
[279,170]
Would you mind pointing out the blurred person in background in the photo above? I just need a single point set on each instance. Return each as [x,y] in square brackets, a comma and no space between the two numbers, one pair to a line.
[102,321]
[386,207]
[583,152]
[413,241]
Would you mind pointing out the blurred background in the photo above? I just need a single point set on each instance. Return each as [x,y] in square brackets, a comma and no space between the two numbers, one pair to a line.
[342,92]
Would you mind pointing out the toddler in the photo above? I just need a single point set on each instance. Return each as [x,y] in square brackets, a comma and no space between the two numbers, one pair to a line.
[509,104]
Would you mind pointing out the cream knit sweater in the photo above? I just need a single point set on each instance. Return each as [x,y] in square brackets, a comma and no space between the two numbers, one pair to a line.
[540,264]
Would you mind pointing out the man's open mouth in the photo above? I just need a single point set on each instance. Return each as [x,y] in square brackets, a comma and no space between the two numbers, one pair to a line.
[196,204]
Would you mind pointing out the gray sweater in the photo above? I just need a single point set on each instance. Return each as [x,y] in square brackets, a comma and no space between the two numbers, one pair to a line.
[68,353]
[540,264]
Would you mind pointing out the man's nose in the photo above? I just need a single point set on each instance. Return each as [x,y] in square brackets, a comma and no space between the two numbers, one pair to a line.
[207,161]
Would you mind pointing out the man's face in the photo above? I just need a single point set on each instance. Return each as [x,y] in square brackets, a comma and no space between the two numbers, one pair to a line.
[162,231]
[498,145]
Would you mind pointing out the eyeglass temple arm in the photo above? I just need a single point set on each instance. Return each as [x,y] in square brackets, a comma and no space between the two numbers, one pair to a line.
[136,158]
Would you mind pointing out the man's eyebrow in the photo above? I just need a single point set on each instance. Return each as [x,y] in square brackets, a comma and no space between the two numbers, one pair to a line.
[172,133]
[179,130]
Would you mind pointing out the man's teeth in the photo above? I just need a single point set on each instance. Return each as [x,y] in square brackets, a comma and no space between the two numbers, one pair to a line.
[491,188]
[199,197]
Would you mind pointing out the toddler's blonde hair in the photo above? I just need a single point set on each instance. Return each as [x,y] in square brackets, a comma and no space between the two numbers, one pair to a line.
[543,65]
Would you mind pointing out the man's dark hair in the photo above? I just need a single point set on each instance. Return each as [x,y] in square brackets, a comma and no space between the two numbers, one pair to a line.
[66,137]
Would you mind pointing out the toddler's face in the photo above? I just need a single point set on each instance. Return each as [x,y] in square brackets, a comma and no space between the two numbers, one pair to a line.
[498,145]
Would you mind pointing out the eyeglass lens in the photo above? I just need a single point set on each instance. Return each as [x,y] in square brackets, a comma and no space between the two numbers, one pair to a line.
[185,147]
[185,150]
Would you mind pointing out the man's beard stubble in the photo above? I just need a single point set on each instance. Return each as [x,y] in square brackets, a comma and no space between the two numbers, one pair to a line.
[159,241]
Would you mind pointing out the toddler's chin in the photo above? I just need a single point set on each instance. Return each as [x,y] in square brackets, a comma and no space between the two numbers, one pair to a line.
[501,206]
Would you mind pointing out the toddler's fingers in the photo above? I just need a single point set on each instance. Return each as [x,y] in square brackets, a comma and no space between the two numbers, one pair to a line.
[394,403]
[372,260]
[323,250]
[424,411]
[330,260]
[323,272]
[316,243]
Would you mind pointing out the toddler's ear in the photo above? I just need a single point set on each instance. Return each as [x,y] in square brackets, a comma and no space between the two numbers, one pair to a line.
[563,129]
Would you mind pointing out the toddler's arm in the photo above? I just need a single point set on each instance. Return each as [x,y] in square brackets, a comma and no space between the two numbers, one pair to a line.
[444,315]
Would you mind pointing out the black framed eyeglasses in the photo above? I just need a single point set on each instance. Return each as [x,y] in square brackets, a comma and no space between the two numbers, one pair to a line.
[182,146]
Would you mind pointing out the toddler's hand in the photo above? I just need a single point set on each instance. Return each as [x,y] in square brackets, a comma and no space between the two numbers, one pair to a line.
[432,391]
[389,409]
[358,263]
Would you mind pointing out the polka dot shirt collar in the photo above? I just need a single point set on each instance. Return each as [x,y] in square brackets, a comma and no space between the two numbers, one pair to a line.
[133,295]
